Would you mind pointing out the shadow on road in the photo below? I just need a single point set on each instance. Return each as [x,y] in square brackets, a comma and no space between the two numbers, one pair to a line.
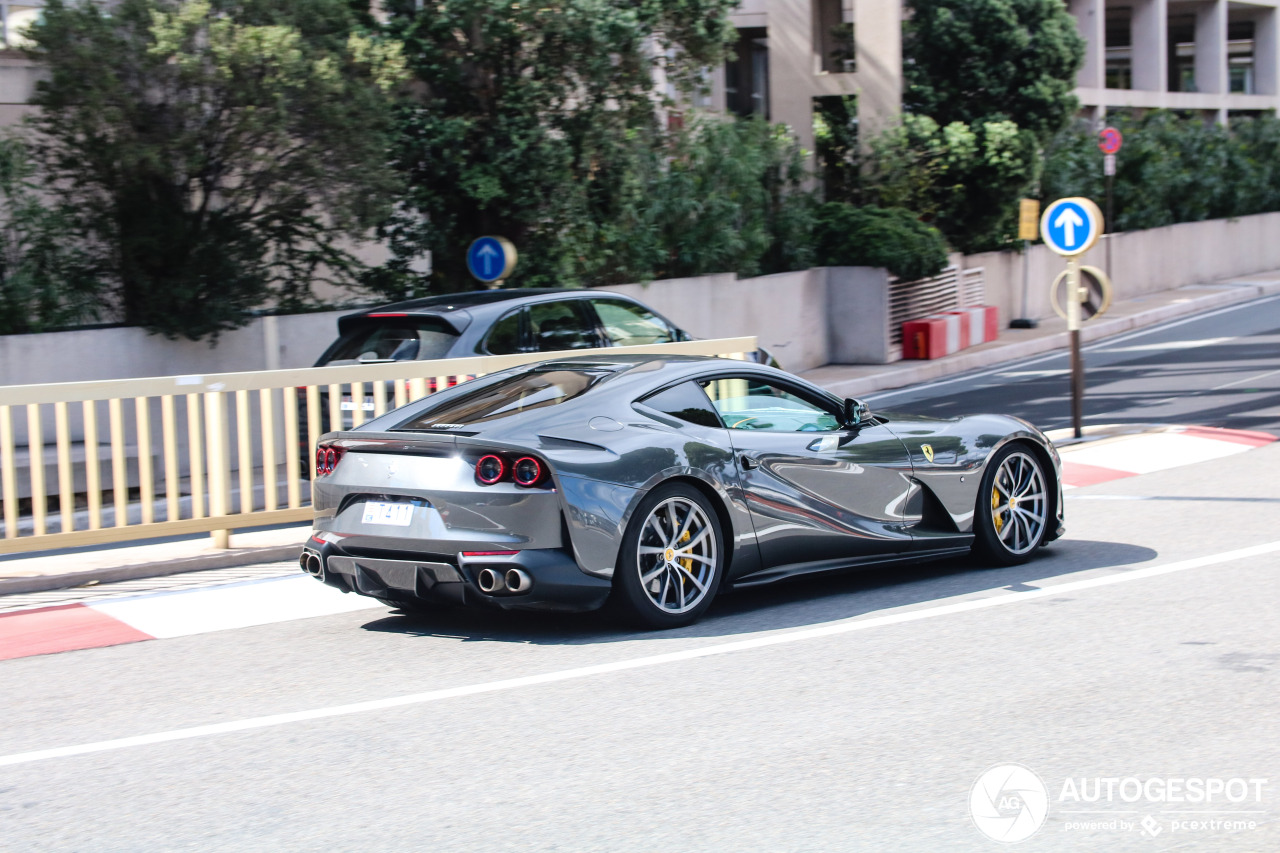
[795,603]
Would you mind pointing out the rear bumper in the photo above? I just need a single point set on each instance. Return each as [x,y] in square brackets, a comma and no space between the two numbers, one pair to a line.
[558,582]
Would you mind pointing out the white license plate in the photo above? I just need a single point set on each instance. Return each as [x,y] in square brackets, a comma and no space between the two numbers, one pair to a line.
[348,406]
[379,512]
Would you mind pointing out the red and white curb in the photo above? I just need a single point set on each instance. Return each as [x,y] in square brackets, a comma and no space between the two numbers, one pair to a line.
[111,622]
[1123,456]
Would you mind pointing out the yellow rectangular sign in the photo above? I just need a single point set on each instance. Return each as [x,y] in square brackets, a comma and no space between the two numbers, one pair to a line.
[1028,219]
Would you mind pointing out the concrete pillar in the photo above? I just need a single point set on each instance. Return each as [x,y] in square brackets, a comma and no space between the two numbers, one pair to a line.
[1150,38]
[1211,47]
[877,31]
[791,69]
[1266,58]
[1091,22]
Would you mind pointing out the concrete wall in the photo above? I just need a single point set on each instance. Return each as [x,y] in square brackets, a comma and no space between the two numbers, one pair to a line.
[787,311]
[1141,261]
[89,354]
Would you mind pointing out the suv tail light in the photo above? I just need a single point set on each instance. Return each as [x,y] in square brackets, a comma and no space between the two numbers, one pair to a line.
[327,458]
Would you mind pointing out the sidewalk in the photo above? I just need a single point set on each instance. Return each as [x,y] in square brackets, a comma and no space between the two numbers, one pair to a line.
[91,566]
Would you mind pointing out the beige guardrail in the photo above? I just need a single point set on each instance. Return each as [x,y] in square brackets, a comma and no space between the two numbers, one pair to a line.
[212,453]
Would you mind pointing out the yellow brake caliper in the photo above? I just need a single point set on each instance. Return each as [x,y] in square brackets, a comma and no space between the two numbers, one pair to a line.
[687,562]
[995,502]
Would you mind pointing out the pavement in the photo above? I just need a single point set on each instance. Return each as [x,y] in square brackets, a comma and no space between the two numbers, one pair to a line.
[90,566]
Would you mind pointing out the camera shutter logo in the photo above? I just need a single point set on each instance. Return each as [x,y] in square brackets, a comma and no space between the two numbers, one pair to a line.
[1008,803]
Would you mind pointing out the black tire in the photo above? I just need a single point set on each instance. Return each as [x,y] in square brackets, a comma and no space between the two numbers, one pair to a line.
[677,579]
[1004,535]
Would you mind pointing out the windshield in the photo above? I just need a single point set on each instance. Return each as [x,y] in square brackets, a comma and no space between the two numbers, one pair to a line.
[522,393]
[394,339]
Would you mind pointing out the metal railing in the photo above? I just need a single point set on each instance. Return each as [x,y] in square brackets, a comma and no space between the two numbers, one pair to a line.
[951,288]
[197,454]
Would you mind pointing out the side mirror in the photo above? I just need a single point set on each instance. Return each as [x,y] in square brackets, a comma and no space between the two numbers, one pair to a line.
[855,412]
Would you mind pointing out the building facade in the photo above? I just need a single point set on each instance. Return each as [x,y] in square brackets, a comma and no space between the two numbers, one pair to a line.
[1215,58]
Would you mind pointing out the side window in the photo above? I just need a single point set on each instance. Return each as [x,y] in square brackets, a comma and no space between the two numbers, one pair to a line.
[504,337]
[626,324]
[556,326]
[685,401]
[753,403]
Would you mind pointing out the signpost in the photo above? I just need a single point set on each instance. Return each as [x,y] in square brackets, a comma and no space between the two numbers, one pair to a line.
[1028,229]
[1070,227]
[1109,142]
[491,259]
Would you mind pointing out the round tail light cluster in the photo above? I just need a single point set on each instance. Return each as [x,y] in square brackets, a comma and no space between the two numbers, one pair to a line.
[524,471]
[327,457]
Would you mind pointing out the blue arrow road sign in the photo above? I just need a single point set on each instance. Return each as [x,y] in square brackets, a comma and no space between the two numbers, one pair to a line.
[489,258]
[1070,226]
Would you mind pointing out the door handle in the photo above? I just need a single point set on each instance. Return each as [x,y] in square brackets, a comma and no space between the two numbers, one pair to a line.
[747,462]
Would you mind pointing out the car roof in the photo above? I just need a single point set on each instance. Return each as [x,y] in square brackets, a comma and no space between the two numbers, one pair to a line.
[458,309]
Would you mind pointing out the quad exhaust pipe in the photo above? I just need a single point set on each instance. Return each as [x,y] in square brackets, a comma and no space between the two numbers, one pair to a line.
[497,582]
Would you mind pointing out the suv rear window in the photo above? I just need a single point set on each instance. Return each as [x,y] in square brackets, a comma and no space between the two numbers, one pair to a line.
[523,392]
[394,339]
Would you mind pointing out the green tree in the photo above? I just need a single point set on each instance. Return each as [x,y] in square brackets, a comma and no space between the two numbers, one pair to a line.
[720,196]
[960,178]
[216,152]
[984,60]
[531,121]
[1161,171]
[892,238]
[46,280]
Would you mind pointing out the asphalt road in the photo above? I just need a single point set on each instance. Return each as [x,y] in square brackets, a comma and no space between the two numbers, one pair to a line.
[852,713]
[1218,369]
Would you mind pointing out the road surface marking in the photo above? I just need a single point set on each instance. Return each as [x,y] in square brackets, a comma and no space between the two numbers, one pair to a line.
[831,629]
[1246,379]
[877,396]
[1207,342]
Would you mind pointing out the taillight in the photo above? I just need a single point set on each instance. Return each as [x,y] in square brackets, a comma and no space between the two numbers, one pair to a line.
[490,469]
[527,471]
[327,458]
[524,471]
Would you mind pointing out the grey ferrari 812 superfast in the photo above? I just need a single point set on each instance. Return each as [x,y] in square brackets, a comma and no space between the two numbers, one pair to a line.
[653,482]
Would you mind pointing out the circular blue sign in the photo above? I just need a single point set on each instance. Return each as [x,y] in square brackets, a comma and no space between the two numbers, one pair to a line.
[1071,226]
[491,258]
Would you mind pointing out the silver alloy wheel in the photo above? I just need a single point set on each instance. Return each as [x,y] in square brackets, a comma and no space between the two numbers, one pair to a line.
[676,555]
[1019,506]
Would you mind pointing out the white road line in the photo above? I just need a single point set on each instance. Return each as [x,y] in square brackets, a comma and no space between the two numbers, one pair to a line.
[1062,353]
[831,629]
[1207,342]
[1246,379]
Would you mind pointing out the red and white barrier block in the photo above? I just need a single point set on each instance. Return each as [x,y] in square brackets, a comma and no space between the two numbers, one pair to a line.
[949,332]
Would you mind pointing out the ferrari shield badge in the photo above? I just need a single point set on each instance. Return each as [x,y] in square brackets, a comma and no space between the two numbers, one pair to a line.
[928,451]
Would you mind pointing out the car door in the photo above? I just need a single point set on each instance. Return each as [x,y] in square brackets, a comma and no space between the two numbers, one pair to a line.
[818,492]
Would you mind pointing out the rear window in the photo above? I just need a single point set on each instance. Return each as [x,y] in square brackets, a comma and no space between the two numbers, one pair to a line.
[524,392]
[395,339]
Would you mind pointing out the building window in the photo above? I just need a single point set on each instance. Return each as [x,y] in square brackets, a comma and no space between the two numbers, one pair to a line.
[746,75]
[833,36]
[1119,50]
[14,18]
[1240,57]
